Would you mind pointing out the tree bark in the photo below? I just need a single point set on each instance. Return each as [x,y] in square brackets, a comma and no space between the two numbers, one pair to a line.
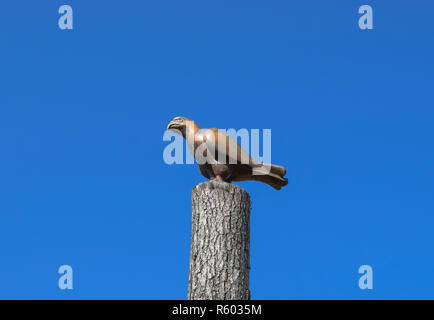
[220,242]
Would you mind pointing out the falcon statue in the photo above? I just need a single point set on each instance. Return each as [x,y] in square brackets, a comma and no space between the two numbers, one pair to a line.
[221,158]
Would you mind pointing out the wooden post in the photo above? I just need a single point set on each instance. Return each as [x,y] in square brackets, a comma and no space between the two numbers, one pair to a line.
[220,242]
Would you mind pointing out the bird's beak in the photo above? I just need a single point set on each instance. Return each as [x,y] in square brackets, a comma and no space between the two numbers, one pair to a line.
[170,125]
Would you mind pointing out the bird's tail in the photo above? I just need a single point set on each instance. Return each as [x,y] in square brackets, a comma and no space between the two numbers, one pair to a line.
[272,175]
[274,180]
[279,170]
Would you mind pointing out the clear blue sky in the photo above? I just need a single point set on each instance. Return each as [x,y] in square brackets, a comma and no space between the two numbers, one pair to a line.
[82,115]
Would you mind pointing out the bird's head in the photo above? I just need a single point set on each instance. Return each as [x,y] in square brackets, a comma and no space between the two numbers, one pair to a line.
[180,124]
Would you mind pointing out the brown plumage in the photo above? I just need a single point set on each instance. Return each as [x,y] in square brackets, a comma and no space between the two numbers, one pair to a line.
[221,158]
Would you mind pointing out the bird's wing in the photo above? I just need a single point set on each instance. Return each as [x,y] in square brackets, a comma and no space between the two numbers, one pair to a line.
[224,148]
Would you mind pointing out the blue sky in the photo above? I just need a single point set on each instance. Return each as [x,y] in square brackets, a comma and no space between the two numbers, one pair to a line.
[83,112]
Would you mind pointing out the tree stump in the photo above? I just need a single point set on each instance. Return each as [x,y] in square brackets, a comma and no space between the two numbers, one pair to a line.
[220,242]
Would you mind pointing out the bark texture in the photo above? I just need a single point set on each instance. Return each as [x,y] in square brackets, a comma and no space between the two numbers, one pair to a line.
[220,242]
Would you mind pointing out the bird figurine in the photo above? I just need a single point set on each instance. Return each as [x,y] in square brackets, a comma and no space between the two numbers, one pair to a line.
[221,158]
